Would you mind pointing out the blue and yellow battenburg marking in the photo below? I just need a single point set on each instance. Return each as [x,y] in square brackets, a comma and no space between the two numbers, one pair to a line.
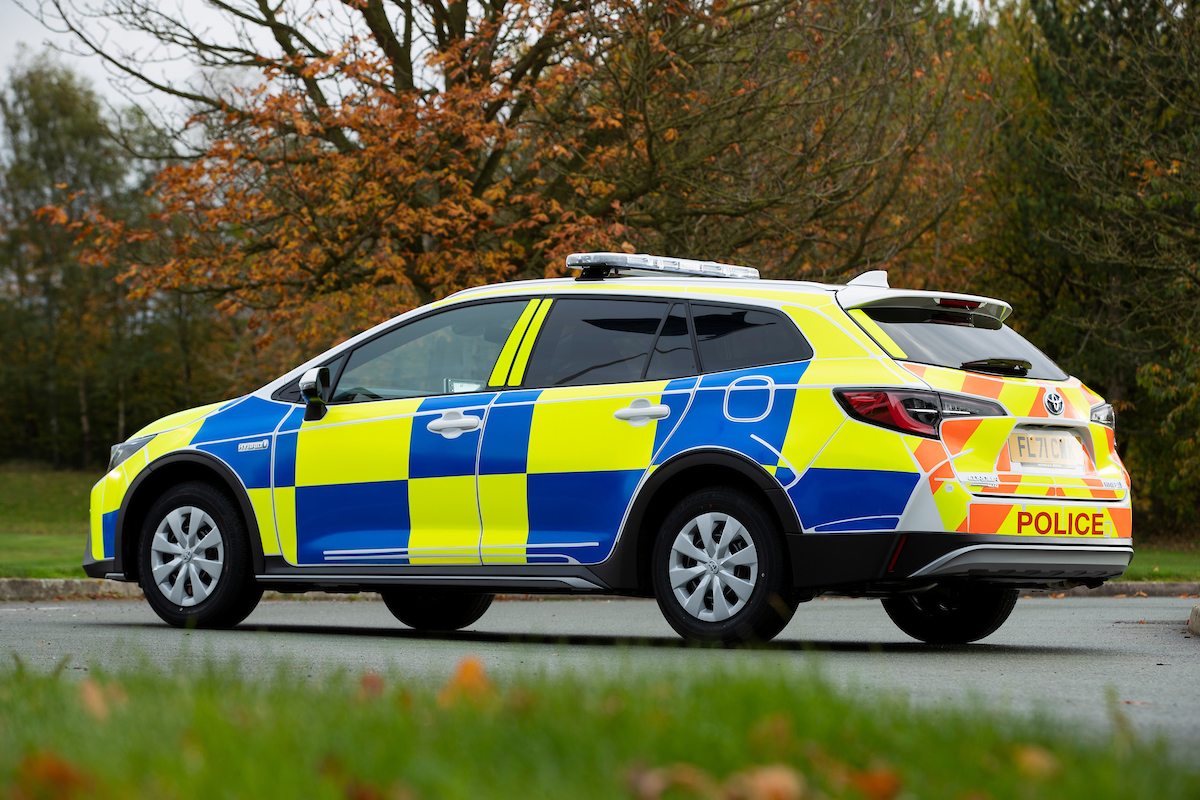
[548,475]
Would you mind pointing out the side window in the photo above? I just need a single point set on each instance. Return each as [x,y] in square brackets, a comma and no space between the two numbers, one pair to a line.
[445,353]
[736,338]
[673,356]
[589,341]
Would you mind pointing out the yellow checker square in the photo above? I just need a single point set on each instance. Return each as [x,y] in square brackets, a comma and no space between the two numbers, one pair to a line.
[362,452]
[828,339]
[504,509]
[115,485]
[285,522]
[816,416]
[444,519]
[848,371]
[846,449]
[264,514]
[96,525]
[574,430]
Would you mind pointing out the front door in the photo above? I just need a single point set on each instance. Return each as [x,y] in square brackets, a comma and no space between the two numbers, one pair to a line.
[563,455]
[388,475]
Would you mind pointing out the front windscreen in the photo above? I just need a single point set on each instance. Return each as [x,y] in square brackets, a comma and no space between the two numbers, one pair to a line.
[962,340]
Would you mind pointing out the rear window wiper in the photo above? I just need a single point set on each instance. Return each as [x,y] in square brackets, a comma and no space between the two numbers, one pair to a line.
[1009,367]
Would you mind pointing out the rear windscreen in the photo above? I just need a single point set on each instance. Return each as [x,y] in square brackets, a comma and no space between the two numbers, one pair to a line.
[962,340]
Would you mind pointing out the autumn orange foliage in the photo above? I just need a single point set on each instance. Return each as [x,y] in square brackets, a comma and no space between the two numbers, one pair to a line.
[811,139]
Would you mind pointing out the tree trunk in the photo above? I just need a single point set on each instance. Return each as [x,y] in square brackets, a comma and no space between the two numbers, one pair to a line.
[85,427]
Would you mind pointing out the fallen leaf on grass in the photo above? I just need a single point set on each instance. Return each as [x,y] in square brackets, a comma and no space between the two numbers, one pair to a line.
[878,783]
[370,685]
[96,699]
[651,784]
[772,782]
[46,774]
[469,680]
[1036,762]
[769,782]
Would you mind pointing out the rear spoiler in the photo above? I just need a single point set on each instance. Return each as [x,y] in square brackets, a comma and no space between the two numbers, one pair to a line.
[864,295]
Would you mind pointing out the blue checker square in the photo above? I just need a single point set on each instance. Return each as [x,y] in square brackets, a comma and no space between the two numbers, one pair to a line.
[826,496]
[351,516]
[576,507]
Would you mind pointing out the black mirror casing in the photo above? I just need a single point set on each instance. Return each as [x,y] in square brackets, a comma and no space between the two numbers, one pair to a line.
[314,385]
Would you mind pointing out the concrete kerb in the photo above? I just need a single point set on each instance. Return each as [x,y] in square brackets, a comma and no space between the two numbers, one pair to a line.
[35,589]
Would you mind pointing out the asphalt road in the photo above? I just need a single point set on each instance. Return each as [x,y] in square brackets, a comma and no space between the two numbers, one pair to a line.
[1054,656]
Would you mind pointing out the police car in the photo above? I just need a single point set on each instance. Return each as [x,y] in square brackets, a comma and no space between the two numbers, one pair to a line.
[653,427]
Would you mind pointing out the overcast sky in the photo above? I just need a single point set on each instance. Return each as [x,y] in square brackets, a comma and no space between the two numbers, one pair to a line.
[18,26]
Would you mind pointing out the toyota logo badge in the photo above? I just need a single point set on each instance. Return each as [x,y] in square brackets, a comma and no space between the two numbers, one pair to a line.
[1054,403]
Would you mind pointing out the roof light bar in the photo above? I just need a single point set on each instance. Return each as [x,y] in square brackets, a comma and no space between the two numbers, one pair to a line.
[600,264]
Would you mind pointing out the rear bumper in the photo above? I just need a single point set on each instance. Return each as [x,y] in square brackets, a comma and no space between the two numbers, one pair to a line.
[882,562]
[1026,562]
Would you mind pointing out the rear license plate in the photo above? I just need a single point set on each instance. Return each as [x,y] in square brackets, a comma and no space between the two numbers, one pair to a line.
[1048,449]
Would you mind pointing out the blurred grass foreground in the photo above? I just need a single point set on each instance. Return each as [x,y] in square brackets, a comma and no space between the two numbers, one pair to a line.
[750,734]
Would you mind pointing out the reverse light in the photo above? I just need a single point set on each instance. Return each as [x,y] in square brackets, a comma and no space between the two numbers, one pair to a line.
[913,411]
[1104,414]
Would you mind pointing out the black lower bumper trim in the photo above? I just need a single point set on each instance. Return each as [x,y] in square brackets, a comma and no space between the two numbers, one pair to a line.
[823,562]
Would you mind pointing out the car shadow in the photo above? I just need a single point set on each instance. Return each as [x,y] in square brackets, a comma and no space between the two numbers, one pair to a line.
[634,642]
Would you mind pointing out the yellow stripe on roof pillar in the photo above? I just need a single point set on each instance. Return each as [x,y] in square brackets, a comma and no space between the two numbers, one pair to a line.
[872,327]
[504,362]
[522,360]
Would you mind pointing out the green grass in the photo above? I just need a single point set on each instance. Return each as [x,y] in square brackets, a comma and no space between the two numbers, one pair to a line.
[204,733]
[43,521]
[1159,564]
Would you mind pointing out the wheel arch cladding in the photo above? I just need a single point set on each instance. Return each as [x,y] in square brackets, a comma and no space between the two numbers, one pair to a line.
[629,567]
[158,477]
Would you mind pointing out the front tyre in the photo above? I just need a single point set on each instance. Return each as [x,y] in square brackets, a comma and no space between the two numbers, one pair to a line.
[194,559]
[435,610]
[952,614]
[719,572]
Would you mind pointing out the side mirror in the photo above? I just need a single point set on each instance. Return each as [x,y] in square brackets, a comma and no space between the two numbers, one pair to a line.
[313,385]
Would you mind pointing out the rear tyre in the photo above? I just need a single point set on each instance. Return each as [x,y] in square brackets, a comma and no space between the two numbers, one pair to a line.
[434,610]
[194,559]
[719,572]
[952,614]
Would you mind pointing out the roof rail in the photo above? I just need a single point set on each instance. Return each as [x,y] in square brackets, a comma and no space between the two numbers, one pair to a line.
[598,266]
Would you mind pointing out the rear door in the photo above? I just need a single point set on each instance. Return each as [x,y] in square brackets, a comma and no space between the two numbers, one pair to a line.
[564,451]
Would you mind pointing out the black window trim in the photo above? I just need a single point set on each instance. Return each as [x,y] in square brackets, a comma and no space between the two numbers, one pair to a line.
[671,301]
[766,309]
[345,355]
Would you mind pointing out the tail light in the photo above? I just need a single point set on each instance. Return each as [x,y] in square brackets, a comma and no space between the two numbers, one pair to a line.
[912,411]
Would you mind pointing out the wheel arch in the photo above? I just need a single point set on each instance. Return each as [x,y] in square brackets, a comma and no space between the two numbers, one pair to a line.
[171,470]
[628,568]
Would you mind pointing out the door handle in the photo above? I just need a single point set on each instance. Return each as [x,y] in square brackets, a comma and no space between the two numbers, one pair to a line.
[452,424]
[641,411]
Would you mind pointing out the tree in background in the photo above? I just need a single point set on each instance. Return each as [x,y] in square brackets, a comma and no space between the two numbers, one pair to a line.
[1098,202]
[82,365]
[396,152]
